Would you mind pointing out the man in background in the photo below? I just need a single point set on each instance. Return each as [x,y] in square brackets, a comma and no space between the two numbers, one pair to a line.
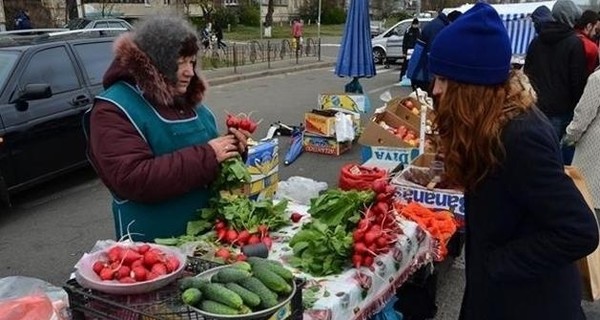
[408,42]
[586,28]
[22,20]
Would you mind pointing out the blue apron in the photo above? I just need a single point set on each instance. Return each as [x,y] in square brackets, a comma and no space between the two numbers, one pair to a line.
[167,218]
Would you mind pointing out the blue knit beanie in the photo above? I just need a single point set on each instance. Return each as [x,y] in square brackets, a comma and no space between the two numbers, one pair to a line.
[474,49]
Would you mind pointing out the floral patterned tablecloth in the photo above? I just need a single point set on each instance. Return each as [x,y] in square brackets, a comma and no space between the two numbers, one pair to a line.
[357,294]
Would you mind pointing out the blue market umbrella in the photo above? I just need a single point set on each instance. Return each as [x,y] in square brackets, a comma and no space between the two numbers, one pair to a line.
[355,58]
[295,147]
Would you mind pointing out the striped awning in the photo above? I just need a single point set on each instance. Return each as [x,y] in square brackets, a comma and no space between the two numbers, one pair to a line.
[520,31]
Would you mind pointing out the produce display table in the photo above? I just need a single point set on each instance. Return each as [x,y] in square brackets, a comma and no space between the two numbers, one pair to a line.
[352,294]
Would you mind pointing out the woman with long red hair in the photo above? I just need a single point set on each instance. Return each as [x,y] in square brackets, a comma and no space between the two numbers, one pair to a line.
[526,222]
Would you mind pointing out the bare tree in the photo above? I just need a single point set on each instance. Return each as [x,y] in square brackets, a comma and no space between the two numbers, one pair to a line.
[106,7]
[205,5]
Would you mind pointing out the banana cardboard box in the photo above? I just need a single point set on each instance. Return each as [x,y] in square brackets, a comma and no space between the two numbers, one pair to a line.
[263,164]
[355,103]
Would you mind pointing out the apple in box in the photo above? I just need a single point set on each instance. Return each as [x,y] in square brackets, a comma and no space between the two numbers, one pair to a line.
[408,104]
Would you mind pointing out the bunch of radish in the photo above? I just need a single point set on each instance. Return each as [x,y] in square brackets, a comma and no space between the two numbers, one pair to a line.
[228,255]
[241,122]
[229,235]
[134,263]
[377,231]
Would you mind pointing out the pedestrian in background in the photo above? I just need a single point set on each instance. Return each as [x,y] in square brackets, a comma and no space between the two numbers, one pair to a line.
[409,40]
[539,16]
[151,140]
[526,222]
[297,33]
[584,133]
[219,36]
[586,27]
[556,65]
[22,20]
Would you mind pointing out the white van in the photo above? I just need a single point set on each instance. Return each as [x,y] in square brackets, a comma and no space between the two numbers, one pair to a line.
[387,46]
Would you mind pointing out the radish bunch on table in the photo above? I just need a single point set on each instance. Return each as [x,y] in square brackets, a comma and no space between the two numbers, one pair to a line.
[377,231]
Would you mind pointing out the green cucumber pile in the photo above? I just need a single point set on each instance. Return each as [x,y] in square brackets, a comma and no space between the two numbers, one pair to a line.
[242,288]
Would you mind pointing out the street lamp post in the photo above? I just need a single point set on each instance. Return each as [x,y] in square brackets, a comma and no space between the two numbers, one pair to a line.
[319,30]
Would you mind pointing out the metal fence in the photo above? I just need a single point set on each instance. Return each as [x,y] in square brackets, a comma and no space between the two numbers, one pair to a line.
[239,54]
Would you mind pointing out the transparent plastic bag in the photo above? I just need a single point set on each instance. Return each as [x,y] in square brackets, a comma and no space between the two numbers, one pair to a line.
[344,129]
[24,298]
[299,189]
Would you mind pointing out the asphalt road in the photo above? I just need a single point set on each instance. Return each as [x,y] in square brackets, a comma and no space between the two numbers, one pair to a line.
[51,226]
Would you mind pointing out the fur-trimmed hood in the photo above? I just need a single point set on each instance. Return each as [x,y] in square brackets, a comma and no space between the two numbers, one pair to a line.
[131,64]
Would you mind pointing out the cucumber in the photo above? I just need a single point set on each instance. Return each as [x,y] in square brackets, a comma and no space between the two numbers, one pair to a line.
[198,283]
[271,279]
[253,260]
[217,292]
[186,283]
[268,298]
[191,296]
[275,267]
[231,275]
[242,265]
[250,298]
[217,308]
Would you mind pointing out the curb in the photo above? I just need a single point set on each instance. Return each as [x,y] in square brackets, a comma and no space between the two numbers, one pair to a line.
[265,73]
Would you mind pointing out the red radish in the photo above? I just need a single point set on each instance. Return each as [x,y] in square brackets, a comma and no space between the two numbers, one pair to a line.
[296,217]
[370,237]
[143,248]
[368,261]
[254,239]
[252,127]
[382,207]
[159,268]
[107,274]
[151,258]
[172,264]
[122,272]
[357,260]
[127,280]
[245,124]
[389,189]
[231,236]
[241,257]
[379,185]
[267,241]
[382,242]
[383,197]
[223,253]
[220,225]
[243,237]
[98,266]
[358,235]
[360,247]
[137,263]
[129,256]
[232,121]
[263,229]
[221,234]
[363,224]
[139,273]
[115,253]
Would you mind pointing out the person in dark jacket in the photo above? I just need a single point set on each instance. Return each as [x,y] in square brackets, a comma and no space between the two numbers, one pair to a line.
[427,36]
[556,65]
[526,221]
[455,14]
[219,35]
[22,20]
[151,140]
[539,16]
[408,42]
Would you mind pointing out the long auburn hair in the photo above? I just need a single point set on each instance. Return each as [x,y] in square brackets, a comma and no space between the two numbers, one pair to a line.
[470,119]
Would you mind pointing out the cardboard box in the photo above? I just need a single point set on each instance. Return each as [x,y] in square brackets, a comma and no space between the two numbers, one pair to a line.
[436,198]
[375,135]
[390,155]
[263,165]
[320,123]
[356,103]
[325,145]
[396,107]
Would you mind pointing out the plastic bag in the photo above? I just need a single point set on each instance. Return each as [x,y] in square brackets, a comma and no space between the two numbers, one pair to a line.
[23,298]
[388,312]
[344,130]
[299,189]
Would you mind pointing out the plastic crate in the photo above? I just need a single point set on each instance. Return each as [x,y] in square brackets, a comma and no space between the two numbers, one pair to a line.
[162,304]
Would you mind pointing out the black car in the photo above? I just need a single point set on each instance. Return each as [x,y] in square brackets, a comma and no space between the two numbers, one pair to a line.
[46,84]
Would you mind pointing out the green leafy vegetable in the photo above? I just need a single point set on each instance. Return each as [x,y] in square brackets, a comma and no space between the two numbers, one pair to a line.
[335,207]
[233,175]
[321,250]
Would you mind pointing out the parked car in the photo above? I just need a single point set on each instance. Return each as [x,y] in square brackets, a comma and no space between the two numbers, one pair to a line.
[387,46]
[95,23]
[45,88]
[377,27]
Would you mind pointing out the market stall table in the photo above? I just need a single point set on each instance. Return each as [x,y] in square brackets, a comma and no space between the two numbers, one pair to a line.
[352,294]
